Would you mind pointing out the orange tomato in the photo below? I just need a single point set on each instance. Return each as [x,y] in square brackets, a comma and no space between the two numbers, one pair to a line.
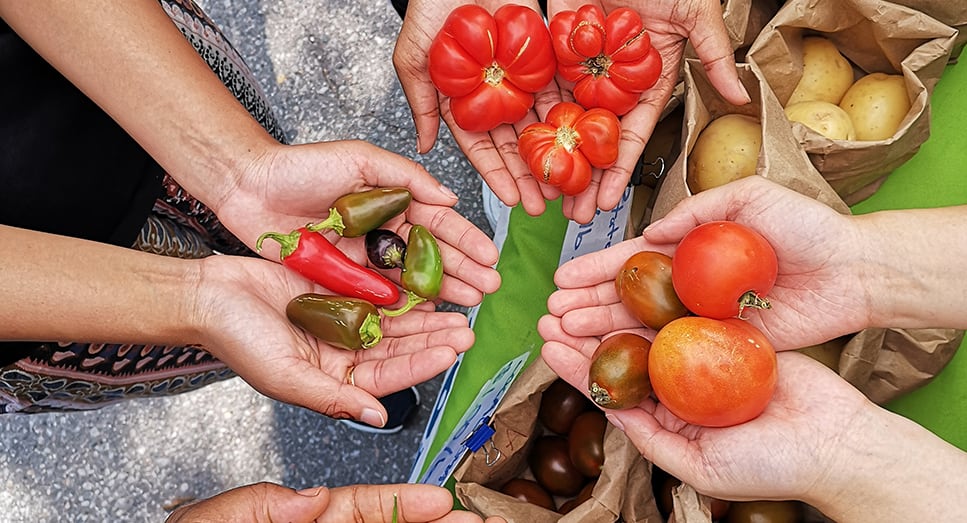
[714,373]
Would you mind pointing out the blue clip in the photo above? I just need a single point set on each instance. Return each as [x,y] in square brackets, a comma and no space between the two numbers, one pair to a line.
[479,438]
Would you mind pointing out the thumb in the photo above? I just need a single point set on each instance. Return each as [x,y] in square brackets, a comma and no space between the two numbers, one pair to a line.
[711,41]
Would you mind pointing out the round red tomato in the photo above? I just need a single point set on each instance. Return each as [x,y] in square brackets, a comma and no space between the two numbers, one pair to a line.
[562,150]
[722,267]
[610,59]
[490,65]
[644,286]
[714,373]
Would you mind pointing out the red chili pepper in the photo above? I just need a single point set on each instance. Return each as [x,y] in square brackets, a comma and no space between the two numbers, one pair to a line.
[313,256]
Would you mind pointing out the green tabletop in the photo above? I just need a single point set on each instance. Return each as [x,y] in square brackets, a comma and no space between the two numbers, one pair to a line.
[934,177]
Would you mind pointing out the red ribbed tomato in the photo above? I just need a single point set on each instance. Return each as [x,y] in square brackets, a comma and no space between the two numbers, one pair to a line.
[490,66]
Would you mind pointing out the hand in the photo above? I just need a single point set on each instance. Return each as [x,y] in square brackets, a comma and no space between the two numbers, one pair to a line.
[240,306]
[290,186]
[819,293]
[494,154]
[782,454]
[669,23]
[267,502]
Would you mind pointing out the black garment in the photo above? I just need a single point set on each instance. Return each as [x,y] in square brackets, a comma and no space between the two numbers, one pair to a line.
[400,6]
[65,166]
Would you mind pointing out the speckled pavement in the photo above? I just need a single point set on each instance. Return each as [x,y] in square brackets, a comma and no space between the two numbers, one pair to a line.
[326,67]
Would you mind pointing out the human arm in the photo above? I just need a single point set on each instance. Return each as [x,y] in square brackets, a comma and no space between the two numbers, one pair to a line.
[267,502]
[670,24]
[819,440]
[139,68]
[838,274]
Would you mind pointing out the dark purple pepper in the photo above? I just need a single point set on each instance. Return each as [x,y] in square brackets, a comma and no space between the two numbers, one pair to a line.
[385,249]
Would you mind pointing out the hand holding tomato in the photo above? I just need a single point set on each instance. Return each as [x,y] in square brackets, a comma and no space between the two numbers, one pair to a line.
[494,153]
[668,23]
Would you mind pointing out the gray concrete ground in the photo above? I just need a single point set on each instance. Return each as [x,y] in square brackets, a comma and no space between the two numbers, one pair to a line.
[326,67]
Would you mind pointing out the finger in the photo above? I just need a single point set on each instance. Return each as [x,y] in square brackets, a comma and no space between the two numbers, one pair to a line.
[319,390]
[601,266]
[670,451]
[584,206]
[482,153]
[562,301]
[455,231]
[410,62]
[568,363]
[599,320]
[381,168]
[271,501]
[710,39]
[374,503]
[382,377]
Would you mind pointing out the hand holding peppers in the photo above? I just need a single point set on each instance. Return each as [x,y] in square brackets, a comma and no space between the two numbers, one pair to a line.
[357,213]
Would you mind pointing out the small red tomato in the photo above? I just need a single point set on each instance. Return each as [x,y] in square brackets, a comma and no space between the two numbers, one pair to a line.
[721,268]
[490,66]
[714,373]
[562,150]
[610,59]
[618,377]
[644,286]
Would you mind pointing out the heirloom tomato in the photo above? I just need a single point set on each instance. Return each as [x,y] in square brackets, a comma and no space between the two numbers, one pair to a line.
[644,286]
[610,59]
[490,66]
[618,375]
[721,268]
[714,373]
[562,150]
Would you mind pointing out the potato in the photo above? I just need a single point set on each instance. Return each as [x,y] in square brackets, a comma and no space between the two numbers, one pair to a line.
[826,74]
[726,150]
[876,104]
[825,118]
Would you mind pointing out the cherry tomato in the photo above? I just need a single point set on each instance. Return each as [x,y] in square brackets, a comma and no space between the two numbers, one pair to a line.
[721,268]
[644,286]
[529,492]
[618,377]
[765,512]
[552,467]
[490,66]
[586,442]
[562,150]
[714,373]
[610,60]
[582,496]
[560,405]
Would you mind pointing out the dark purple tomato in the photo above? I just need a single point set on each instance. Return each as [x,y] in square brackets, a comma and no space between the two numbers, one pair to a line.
[385,249]
[552,467]
[582,496]
[560,406]
[765,512]
[529,492]
[586,442]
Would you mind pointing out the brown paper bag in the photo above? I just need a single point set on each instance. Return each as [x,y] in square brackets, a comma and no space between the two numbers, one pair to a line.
[950,12]
[745,19]
[781,159]
[876,36]
[623,491]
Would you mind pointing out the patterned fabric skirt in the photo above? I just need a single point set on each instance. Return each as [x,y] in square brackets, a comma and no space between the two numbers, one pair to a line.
[82,376]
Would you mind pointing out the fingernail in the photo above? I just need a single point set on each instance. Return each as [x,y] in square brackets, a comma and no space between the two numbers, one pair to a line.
[418,149]
[372,417]
[446,190]
[310,492]
[615,421]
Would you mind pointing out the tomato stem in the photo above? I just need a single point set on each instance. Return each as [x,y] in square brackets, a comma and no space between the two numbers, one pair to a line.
[599,395]
[597,66]
[493,74]
[751,299]
[568,138]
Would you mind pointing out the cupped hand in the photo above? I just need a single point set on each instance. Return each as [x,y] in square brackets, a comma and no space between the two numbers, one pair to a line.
[267,502]
[240,313]
[782,454]
[290,186]
[818,294]
[493,154]
[669,23]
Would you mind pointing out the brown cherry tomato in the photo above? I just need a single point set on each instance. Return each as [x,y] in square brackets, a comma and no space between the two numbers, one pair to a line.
[529,492]
[552,467]
[765,512]
[560,406]
[644,286]
[586,442]
[618,377]
[582,496]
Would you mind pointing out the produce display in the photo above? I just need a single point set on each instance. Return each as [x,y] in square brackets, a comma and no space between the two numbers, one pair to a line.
[828,99]
[350,317]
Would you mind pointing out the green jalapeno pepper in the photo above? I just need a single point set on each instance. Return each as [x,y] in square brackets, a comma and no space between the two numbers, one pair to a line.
[355,214]
[422,270]
[350,323]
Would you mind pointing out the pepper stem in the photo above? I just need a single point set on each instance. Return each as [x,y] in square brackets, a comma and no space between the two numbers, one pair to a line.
[334,221]
[370,332]
[289,242]
[412,300]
